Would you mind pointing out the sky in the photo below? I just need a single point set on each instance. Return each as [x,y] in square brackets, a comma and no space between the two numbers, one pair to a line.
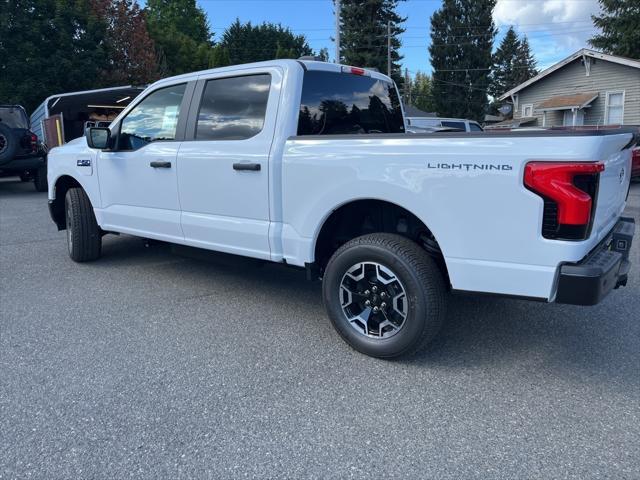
[555,28]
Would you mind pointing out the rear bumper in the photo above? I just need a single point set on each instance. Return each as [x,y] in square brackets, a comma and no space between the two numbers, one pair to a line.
[588,281]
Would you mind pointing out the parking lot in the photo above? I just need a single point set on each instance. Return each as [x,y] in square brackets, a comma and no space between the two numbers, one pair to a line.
[148,364]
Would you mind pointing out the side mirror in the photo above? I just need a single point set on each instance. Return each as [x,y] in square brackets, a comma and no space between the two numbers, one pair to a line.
[98,137]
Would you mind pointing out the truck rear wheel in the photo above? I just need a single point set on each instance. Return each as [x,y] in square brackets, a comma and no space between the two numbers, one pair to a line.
[84,238]
[384,295]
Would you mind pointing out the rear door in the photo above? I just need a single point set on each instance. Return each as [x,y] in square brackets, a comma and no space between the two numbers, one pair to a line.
[223,177]
[138,178]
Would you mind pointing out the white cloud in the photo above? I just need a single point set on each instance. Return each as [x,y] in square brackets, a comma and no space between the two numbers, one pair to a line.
[555,28]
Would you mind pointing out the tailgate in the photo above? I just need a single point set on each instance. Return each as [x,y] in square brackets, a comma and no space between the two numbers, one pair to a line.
[615,152]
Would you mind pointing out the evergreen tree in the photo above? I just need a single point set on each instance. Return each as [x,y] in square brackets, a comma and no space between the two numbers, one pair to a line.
[619,24]
[513,64]
[181,32]
[363,35]
[527,64]
[47,47]
[421,92]
[462,34]
[220,57]
[253,43]
[324,54]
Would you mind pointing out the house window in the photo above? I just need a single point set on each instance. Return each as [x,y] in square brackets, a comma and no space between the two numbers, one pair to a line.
[527,110]
[614,108]
[567,120]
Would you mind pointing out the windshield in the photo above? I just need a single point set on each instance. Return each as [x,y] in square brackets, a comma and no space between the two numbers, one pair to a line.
[338,103]
[14,117]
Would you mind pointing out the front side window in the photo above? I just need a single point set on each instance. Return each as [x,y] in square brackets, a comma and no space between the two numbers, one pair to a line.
[338,103]
[474,127]
[154,119]
[233,108]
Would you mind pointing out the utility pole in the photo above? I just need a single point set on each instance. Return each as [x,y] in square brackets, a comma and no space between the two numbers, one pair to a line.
[337,6]
[389,48]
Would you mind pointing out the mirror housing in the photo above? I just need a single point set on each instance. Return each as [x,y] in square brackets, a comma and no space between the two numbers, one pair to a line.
[98,137]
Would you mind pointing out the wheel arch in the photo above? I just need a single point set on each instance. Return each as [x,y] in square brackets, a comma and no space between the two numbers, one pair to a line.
[56,205]
[378,216]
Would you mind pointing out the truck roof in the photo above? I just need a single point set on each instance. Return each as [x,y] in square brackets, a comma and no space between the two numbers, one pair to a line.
[284,64]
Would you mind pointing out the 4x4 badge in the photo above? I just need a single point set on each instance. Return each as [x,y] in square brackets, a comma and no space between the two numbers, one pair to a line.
[622,175]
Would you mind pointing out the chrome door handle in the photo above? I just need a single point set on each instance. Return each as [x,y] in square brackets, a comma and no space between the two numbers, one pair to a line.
[160,164]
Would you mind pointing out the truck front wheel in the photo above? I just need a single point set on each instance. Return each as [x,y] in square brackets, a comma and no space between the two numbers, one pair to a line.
[84,238]
[384,295]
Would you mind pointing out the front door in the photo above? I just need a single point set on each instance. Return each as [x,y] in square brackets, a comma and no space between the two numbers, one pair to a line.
[138,178]
[223,180]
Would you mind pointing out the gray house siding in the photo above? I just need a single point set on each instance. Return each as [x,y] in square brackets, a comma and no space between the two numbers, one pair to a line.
[571,79]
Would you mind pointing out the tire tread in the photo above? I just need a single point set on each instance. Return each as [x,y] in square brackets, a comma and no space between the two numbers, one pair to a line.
[87,237]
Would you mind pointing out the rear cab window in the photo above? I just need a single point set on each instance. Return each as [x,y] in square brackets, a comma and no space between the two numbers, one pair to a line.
[334,103]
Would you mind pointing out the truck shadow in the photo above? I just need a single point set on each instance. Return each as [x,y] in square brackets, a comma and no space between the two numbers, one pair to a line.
[529,338]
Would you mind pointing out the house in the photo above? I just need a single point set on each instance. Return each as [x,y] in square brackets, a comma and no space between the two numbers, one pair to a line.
[586,88]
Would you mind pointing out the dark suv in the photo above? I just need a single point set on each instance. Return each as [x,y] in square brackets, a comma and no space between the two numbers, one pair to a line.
[20,152]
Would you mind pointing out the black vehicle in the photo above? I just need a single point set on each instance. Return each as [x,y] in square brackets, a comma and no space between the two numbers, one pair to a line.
[20,152]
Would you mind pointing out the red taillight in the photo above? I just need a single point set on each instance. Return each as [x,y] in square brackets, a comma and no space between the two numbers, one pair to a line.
[34,142]
[571,187]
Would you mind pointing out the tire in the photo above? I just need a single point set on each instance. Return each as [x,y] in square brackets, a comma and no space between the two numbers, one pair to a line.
[393,268]
[84,238]
[8,144]
[25,177]
[40,179]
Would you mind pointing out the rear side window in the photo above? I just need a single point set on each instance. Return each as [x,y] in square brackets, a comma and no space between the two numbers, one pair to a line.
[233,108]
[338,103]
[459,125]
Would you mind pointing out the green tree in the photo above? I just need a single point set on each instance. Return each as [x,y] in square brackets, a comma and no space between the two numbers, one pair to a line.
[462,34]
[181,32]
[363,35]
[324,54]
[48,47]
[253,43]
[513,64]
[421,95]
[220,57]
[619,25]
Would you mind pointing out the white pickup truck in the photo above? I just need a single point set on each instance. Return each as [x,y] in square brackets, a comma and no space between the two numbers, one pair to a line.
[307,163]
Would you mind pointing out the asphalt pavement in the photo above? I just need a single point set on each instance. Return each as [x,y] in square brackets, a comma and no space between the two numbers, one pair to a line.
[147,364]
